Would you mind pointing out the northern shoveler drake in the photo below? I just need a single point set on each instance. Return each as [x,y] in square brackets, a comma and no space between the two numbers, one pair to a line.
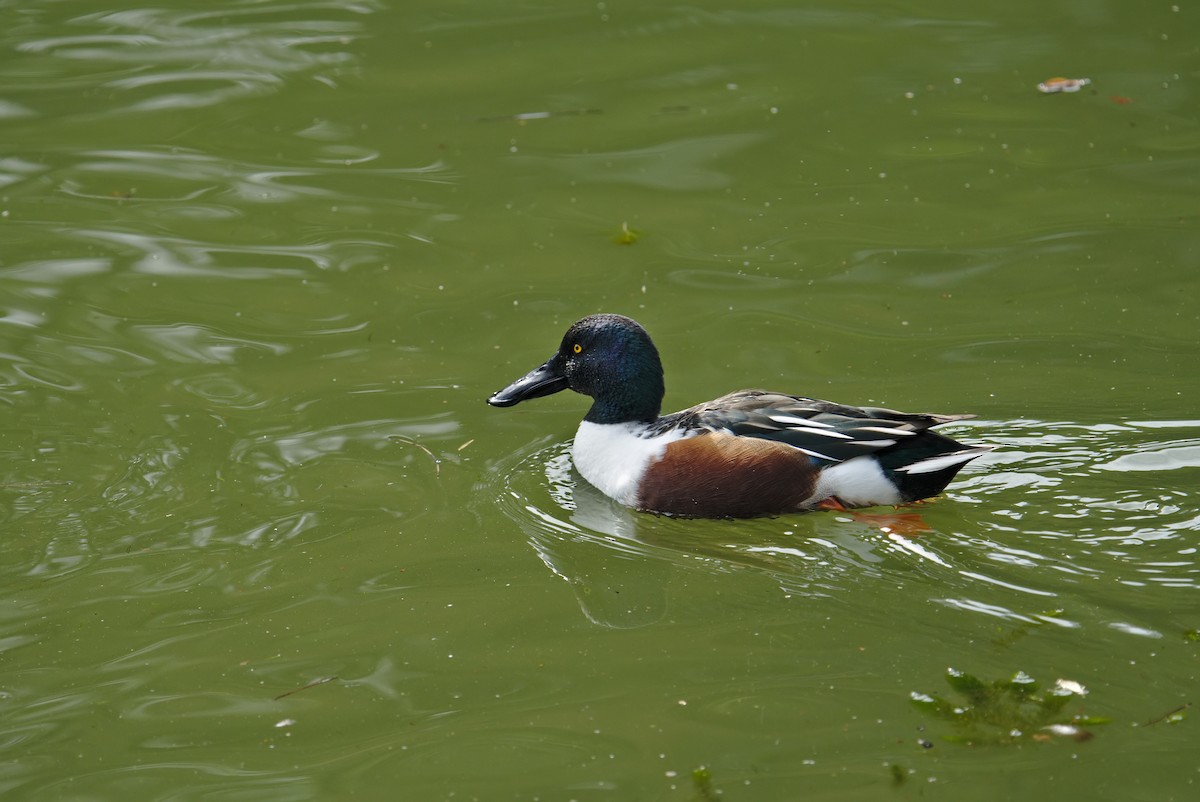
[746,454]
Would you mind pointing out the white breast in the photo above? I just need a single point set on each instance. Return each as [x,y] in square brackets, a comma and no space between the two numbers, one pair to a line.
[613,457]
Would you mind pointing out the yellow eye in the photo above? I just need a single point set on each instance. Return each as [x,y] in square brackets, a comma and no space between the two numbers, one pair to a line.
[577,348]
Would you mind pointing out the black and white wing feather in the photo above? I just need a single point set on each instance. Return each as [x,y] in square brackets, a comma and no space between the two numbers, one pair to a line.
[821,429]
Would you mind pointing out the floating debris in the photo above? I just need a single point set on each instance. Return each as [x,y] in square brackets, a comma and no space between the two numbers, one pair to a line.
[627,235]
[1173,716]
[526,116]
[1063,731]
[33,485]
[437,463]
[1009,710]
[305,687]
[1052,85]
[702,780]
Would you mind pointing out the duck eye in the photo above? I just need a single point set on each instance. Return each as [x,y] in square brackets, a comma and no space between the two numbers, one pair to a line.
[577,348]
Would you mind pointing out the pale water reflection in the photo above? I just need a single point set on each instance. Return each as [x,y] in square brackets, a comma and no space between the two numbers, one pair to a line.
[248,51]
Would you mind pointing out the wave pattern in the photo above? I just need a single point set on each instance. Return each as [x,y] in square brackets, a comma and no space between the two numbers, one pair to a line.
[161,59]
[1038,522]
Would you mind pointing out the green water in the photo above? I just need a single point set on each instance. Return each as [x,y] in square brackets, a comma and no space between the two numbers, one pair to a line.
[263,262]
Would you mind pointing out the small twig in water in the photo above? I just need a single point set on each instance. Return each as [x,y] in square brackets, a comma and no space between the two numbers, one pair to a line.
[313,684]
[437,463]
[30,485]
[1167,714]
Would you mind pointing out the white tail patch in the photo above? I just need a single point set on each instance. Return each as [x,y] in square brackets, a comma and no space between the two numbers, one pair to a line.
[944,461]
[858,482]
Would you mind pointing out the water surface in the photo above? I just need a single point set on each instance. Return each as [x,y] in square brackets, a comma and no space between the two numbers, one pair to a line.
[263,262]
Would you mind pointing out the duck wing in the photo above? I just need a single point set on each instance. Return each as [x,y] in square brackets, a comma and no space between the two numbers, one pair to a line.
[821,429]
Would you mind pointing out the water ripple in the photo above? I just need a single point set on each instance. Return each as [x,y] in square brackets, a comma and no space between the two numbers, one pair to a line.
[684,164]
[175,256]
[1031,525]
[618,561]
[164,59]
[192,174]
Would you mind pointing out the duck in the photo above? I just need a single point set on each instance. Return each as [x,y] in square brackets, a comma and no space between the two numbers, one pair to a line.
[747,454]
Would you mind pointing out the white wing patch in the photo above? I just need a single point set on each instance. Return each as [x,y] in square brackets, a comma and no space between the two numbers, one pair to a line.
[827,433]
[885,430]
[792,420]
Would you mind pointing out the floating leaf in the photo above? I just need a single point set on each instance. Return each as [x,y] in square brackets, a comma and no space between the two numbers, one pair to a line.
[1053,702]
[1021,685]
[702,779]
[1008,710]
[967,685]
[1091,721]
[935,706]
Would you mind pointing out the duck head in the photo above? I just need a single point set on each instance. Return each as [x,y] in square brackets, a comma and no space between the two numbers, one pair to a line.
[608,357]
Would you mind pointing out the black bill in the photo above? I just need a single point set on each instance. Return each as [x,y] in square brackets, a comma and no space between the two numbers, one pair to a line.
[545,380]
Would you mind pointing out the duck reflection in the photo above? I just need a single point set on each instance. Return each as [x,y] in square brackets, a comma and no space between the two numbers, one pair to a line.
[622,564]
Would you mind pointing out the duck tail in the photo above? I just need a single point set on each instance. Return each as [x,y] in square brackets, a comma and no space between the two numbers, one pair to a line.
[929,473]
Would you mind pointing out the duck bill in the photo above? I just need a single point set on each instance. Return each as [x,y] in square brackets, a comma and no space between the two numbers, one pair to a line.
[545,380]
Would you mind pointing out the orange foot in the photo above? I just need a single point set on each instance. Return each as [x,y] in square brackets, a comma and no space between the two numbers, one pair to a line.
[831,504]
[908,524]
